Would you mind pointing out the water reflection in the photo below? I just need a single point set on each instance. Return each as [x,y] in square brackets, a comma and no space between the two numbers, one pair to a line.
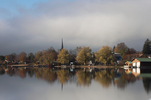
[83,78]
[105,77]
[2,71]
[44,73]
[142,74]
[119,78]
[63,76]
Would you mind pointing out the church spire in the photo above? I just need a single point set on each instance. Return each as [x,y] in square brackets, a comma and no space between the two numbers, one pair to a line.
[62,44]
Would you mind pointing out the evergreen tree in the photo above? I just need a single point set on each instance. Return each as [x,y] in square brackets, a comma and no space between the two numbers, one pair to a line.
[147,47]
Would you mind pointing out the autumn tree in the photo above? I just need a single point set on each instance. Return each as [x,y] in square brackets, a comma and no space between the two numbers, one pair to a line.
[84,55]
[22,57]
[12,57]
[104,55]
[147,47]
[37,56]
[121,48]
[52,54]
[46,56]
[63,56]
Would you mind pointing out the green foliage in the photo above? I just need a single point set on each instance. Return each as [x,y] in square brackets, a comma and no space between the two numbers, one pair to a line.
[104,55]
[147,47]
[63,56]
[84,55]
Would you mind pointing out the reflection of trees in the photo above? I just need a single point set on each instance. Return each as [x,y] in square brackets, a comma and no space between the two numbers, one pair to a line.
[46,74]
[72,77]
[31,72]
[63,76]
[9,71]
[121,82]
[2,71]
[124,80]
[22,73]
[83,78]
[147,84]
[104,77]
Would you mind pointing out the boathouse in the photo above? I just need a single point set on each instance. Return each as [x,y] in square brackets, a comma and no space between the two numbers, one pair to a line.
[128,63]
[138,62]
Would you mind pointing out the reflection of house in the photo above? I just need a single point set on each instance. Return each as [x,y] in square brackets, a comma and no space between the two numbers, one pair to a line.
[128,63]
[141,62]
[136,71]
[128,71]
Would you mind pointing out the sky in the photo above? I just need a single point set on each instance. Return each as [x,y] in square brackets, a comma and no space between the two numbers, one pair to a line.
[36,25]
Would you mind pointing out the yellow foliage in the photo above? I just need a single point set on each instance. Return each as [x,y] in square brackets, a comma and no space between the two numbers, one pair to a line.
[63,56]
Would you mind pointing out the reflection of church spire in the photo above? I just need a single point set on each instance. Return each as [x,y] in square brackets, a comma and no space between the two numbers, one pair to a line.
[62,86]
[62,45]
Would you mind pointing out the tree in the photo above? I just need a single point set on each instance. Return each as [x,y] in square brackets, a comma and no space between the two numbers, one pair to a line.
[12,57]
[84,55]
[31,57]
[63,56]
[52,55]
[72,55]
[2,59]
[131,51]
[46,56]
[121,48]
[147,47]
[22,57]
[104,55]
[38,56]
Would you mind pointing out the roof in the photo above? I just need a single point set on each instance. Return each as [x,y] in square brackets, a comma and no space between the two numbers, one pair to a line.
[144,59]
[129,62]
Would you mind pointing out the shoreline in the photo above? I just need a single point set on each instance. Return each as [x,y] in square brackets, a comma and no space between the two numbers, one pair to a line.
[65,66]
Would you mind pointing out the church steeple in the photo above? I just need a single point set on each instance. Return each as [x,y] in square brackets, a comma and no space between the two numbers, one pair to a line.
[62,44]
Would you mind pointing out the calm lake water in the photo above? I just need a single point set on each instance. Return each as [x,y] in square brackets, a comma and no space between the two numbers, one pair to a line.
[66,84]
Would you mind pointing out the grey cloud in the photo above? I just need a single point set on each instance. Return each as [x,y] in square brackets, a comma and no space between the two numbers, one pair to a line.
[83,23]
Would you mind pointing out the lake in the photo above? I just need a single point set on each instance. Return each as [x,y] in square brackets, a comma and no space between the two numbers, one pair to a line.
[77,84]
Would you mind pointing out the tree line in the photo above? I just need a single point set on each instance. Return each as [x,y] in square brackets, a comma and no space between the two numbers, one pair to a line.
[80,55]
